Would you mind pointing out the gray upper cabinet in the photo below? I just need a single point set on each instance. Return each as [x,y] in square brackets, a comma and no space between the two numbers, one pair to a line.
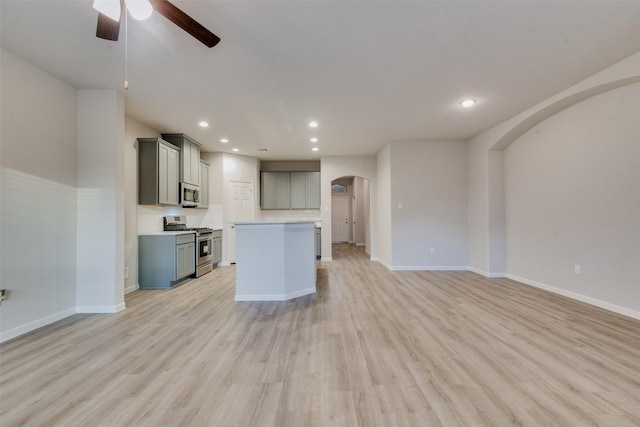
[189,156]
[158,165]
[298,190]
[274,190]
[312,196]
[290,190]
[204,185]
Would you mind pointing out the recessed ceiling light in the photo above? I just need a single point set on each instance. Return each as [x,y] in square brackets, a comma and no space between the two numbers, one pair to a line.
[235,150]
[315,149]
[203,124]
[313,124]
[314,139]
[224,140]
[468,103]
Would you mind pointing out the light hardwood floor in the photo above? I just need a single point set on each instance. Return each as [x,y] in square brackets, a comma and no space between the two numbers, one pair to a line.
[371,348]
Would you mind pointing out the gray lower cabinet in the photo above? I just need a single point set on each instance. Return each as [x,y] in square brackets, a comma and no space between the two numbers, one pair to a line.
[217,246]
[165,260]
[158,166]
[318,242]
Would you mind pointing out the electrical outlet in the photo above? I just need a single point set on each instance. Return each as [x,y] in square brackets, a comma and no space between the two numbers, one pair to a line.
[126,272]
[400,205]
[576,269]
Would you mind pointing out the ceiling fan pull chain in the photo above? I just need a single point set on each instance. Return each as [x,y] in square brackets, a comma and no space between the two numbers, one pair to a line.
[126,50]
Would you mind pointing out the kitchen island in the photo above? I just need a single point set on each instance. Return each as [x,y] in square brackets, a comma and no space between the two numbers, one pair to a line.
[275,260]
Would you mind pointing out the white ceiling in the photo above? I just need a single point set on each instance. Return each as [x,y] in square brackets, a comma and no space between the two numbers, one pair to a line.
[369,72]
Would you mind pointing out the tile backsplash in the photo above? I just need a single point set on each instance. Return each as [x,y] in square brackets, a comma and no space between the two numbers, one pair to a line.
[288,215]
[150,217]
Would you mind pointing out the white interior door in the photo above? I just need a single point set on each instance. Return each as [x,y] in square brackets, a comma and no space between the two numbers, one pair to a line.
[340,218]
[240,207]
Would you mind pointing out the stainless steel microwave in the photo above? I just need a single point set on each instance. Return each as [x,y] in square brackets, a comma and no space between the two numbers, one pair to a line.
[189,195]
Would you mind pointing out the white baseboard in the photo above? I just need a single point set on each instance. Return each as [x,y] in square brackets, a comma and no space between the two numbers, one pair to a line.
[574,295]
[428,268]
[224,264]
[23,329]
[326,259]
[486,273]
[276,297]
[131,288]
[381,261]
[100,308]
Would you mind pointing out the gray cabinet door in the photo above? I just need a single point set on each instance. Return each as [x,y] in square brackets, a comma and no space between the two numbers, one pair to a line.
[185,259]
[204,185]
[167,175]
[158,166]
[298,190]
[312,195]
[189,156]
[282,190]
[185,165]
[195,164]
[217,250]
[274,190]
[267,190]
[305,190]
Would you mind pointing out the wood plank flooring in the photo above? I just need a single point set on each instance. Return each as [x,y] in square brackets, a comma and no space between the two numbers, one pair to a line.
[371,348]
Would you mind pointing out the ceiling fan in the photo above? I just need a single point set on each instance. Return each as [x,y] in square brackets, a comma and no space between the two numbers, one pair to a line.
[110,12]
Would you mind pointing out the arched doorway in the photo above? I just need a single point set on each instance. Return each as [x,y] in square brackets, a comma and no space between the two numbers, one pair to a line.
[350,212]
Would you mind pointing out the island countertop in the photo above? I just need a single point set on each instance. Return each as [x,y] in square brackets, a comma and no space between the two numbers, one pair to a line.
[260,222]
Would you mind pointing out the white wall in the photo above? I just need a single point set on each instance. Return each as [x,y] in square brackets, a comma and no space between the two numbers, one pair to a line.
[367,216]
[238,168]
[484,230]
[429,205]
[133,130]
[100,221]
[37,197]
[359,214]
[337,167]
[573,197]
[383,205]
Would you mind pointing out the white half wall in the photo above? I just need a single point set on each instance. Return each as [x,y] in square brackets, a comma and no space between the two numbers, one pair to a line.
[573,198]
[100,226]
[37,197]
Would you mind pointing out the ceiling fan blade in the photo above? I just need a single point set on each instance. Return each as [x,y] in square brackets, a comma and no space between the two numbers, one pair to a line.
[107,29]
[184,21]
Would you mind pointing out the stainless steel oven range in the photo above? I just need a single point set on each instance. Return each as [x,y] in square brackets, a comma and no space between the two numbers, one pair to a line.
[204,241]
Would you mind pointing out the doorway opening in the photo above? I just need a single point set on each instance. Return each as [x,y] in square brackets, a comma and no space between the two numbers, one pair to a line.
[350,213]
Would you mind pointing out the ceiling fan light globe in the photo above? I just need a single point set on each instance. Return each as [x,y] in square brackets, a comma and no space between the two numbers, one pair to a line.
[110,8]
[139,9]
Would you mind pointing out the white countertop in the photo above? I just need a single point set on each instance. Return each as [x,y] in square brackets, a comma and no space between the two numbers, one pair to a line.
[299,221]
[166,233]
